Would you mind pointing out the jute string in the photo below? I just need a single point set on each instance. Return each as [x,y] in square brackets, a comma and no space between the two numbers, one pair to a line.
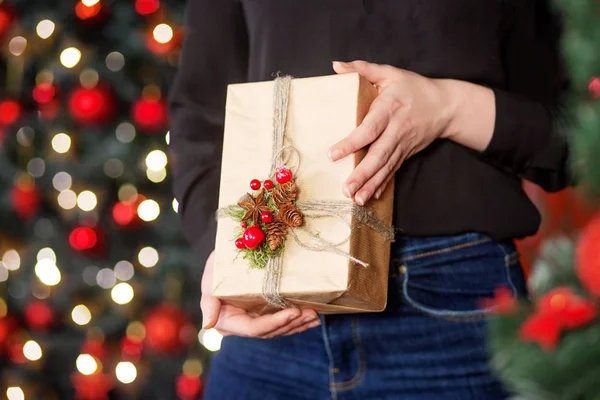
[281,155]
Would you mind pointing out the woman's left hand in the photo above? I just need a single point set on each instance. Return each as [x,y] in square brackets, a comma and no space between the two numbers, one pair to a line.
[410,112]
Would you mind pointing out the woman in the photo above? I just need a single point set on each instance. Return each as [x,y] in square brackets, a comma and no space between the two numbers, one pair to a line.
[468,98]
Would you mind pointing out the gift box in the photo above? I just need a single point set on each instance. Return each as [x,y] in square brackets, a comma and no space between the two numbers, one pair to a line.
[333,255]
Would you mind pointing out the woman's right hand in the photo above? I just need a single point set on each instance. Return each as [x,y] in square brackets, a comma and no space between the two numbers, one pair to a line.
[231,320]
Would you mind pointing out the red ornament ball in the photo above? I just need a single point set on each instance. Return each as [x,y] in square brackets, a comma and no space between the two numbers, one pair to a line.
[254,184]
[44,93]
[283,175]
[594,87]
[266,217]
[146,7]
[93,106]
[83,238]
[188,386]
[150,115]
[253,237]
[239,243]
[244,225]
[10,112]
[38,315]
[125,213]
[164,327]
[588,257]
[268,184]
[25,200]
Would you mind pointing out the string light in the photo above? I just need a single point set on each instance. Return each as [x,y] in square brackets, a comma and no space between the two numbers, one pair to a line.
[36,167]
[46,254]
[45,28]
[17,45]
[148,257]
[61,143]
[62,181]
[67,199]
[122,293]
[86,364]
[32,351]
[126,372]
[148,210]
[175,205]
[210,339]
[115,61]
[163,33]
[11,260]
[156,160]
[81,315]
[106,278]
[70,57]
[124,270]
[87,200]
[156,176]
[47,272]
[15,393]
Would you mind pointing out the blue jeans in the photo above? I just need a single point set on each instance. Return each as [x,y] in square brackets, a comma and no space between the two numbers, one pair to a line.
[430,342]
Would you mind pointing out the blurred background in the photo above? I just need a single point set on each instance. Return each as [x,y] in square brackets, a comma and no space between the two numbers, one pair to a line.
[98,291]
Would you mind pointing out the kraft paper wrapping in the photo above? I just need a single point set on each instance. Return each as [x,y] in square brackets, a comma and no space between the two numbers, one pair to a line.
[321,111]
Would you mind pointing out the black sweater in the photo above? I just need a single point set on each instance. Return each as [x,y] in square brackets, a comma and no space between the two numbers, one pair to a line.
[508,45]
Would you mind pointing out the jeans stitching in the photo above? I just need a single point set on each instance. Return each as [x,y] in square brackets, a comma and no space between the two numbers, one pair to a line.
[444,250]
[362,362]
[332,388]
[508,261]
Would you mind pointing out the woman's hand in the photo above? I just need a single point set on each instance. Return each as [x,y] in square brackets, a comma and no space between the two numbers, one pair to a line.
[230,320]
[410,112]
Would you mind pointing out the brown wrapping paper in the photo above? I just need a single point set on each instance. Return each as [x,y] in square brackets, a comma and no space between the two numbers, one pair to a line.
[321,111]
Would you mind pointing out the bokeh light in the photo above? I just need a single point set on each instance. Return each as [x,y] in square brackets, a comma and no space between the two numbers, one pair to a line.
[11,260]
[156,176]
[124,270]
[46,254]
[126,372]
[163,33]
[62,181]
[148,210]
[70,57]
[156,160]
[32,350]
[210,339]
[45,28]
[15,393]
[115,61]
[175,205]
[17,45]
[36,167]
[67,199]
[86,364]
[47,272]
[106,278]
[61,143]
[122,293]
[81,315]
[87,200]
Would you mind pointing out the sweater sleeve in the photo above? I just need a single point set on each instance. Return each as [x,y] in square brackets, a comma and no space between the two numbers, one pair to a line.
[214,54]
[529,140]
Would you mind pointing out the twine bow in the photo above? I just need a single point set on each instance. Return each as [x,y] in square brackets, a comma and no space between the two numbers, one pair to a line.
[281,155]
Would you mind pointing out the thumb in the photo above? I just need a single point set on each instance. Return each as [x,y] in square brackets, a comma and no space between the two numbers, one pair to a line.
[211,308]
[374,73]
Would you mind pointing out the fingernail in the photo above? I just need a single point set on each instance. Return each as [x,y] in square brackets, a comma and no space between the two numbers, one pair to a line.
[314,324]
[339,64]
[309,319]
[362,198]
[334,155]
[350,189]
[378,194]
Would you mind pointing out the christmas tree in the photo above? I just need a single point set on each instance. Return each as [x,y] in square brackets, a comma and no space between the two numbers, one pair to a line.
[549,347]
[99,293]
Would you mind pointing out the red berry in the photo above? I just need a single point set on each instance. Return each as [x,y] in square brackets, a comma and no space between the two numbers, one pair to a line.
[244,225]
[268,184]
[283,175]
[253,237]
[239,243]
[254,184]
[266,217]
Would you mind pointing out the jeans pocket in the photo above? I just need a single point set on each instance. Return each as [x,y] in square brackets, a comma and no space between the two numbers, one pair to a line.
[451,282]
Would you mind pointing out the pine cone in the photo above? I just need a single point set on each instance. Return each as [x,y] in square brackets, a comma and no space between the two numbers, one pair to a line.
[285,193]
[290,214]
[276,233]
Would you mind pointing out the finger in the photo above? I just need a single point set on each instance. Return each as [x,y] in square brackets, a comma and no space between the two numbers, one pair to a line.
[373,169]
[374,73]
[211,308]
[385,183]
[303,328]
[307,317]
[243,325]
[367,132]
